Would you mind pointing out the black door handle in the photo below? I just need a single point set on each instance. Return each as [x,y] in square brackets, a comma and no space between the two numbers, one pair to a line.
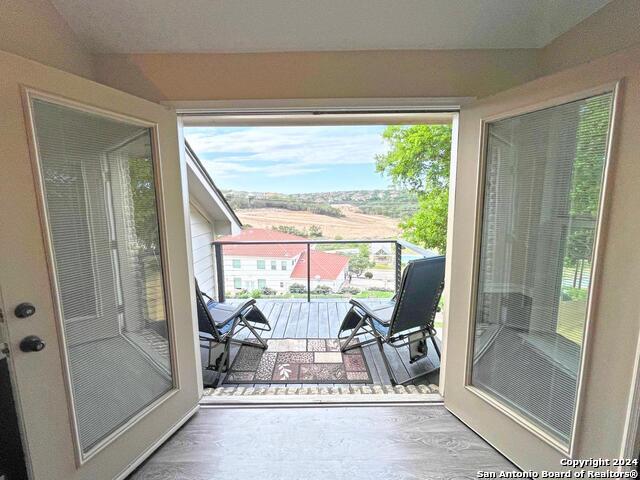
[25,310]
[31,343]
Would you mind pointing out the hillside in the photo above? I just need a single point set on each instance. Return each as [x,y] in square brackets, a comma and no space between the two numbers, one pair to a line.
[352,225]
[390,203]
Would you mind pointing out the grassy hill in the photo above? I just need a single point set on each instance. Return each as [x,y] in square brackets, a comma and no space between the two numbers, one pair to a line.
[389,203]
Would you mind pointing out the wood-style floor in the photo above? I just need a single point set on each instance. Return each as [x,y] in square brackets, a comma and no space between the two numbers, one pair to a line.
[322,319]
[355,443]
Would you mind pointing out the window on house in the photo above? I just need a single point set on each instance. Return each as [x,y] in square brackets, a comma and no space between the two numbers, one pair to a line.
[235,263]
[284,265]
[261,265]
[274,265]
[262,283]
[281,284]
[237,282]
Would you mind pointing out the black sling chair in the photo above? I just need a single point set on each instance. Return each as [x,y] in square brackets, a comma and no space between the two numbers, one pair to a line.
[407,320]
[219,323]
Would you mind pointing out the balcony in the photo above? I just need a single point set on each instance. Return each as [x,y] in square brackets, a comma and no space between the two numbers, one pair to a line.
[305,299]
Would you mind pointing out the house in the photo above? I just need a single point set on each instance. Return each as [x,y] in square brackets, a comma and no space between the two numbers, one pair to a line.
[383,254]
[277,266]
[100,365]
[210,216]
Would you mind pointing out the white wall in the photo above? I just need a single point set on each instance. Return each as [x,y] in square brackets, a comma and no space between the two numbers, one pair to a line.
[202,234]
[249,272]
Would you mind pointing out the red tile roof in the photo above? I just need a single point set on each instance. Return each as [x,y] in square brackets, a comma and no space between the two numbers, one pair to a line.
[259,235]
[325,266]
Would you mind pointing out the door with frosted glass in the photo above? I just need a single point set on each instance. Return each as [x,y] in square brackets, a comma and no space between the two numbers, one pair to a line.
[100,205]
[518,372]
[96,241]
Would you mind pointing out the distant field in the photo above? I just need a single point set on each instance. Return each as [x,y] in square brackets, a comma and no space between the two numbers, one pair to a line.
[353,225]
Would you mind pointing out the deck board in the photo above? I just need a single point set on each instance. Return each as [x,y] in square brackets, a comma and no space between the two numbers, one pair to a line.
[314,323]
[303,321]
[323,327]
[322,319]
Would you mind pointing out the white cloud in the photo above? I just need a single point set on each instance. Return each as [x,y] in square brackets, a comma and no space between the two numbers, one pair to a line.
[223,169]
[283,151]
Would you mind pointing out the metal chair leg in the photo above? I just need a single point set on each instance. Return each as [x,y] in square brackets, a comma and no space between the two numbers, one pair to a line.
[263,343]
[435,346]
[392,377]
[345,346]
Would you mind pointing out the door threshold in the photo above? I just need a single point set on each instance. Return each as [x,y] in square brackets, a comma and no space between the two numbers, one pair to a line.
[363,395]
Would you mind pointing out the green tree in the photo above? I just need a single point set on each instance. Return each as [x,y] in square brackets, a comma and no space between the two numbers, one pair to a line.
[359,262]
[419,161]
[586,183]
[314,231]
[143,195]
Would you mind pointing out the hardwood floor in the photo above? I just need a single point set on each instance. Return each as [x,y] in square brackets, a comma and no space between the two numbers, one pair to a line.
[399,442]
[322,319]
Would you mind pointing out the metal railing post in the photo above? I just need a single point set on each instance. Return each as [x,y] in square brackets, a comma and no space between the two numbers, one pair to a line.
[217,249]
[308,272]
[398,266]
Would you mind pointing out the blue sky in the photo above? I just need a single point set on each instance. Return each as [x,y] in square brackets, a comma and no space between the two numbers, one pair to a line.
[291,159]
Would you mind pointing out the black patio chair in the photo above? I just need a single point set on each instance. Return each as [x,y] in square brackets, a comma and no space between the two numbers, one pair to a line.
[407,320]
[219,323]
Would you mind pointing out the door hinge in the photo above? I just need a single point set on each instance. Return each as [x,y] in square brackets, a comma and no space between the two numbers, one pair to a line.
[1,321]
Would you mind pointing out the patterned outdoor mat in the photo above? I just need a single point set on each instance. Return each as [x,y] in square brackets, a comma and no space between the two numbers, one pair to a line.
[299,360]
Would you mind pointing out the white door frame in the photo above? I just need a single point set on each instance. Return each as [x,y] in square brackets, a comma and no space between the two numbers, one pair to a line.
[598,253]
[603,387]
[342,111]
[28,96]
[40,381]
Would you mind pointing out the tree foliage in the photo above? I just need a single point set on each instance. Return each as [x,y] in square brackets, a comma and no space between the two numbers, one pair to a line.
[419,160]
[313,231]
[587,178]
[359,262]
[143,195]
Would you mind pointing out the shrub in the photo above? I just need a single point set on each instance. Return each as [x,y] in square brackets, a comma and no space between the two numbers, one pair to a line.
[368,275]
[380,289]
[242,294]
[257,293]
[350,290]
[570,294]
[297,288]
[323,290]
[268,291]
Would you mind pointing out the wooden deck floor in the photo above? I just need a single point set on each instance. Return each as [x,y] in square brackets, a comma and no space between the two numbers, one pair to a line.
[321,319]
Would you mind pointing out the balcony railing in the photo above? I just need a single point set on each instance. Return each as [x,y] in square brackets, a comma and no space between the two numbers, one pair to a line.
[312,268]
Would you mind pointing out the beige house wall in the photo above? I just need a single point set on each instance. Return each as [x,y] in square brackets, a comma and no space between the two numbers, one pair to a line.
[355,74]
[346,74]
[614,27]
[34,29]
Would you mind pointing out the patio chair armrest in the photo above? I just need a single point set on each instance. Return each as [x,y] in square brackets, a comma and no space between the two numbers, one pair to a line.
[231,314]
[206,296]
[367,310]
[244,306]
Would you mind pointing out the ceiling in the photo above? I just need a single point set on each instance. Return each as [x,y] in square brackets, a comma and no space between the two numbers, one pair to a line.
[140,26]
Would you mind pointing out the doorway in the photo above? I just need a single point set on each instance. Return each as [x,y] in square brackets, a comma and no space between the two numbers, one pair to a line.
[301,303]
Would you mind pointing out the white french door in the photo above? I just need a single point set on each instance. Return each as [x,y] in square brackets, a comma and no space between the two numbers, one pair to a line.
[94,238]
[537,359]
